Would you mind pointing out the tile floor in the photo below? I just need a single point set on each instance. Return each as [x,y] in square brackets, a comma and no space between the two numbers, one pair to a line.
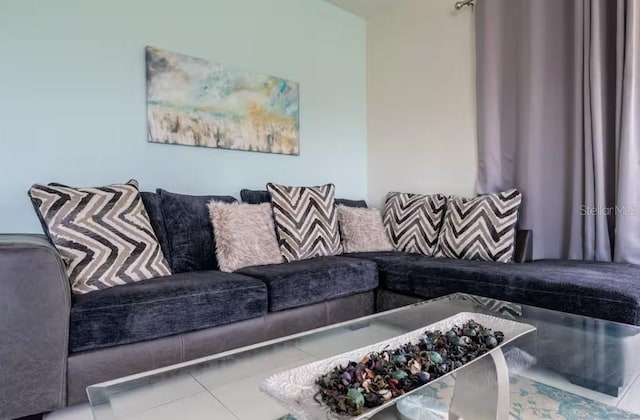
[231,392]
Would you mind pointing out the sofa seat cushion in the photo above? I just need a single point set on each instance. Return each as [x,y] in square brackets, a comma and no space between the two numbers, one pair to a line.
[162,307]
[601,290]
[386,258]
[315,280]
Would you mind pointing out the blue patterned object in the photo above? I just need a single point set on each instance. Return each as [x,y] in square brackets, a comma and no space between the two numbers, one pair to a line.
[534,400]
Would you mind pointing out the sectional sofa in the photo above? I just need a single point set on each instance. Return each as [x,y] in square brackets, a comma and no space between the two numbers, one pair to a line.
[54,344]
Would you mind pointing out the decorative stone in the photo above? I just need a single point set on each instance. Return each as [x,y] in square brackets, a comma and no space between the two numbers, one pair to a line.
[372,400]
[355,396]
[400,359]
[435,357]
[470,332]
[457,341]
[399,374]
[491,341]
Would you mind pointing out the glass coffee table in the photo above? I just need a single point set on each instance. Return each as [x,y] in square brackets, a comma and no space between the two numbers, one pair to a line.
[571,367]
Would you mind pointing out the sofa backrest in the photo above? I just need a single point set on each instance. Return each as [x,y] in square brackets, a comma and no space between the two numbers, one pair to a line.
[153,205]
[262,196]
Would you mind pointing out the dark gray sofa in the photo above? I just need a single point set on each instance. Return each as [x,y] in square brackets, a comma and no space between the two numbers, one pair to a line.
[55,344]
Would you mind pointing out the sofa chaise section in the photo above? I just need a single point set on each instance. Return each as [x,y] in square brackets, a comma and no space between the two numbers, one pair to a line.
[600,290]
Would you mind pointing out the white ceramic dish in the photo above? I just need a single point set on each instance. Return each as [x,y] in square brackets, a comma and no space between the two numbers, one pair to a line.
[295,389]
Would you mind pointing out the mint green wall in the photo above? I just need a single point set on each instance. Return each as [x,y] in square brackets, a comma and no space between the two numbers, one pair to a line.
[72,94]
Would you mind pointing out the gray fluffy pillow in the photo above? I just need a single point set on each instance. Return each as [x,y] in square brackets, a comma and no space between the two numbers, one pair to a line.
[244,235]
[362,230]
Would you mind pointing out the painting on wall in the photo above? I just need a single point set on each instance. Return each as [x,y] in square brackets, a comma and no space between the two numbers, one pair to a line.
[195,102]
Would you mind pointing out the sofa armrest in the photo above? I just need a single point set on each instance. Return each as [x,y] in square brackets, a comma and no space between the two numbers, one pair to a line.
[524,246]
[35,301]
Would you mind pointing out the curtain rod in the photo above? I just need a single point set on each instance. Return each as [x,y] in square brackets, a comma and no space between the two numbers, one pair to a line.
[462,3]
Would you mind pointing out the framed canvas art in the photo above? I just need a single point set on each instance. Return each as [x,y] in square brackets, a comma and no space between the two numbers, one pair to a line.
[194,102]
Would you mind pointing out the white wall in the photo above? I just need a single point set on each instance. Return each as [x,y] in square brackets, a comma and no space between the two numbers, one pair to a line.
[72,94]
[421,100]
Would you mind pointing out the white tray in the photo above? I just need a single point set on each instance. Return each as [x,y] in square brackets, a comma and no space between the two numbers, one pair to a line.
[295,389]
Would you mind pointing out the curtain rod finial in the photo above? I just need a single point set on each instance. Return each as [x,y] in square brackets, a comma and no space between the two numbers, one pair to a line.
[462,3]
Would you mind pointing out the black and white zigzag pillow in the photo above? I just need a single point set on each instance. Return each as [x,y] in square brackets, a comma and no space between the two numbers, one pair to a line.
[481,228]
[103,234]
[306,221]
[413,221]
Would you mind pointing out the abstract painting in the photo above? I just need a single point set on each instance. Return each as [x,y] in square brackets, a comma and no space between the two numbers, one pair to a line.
[195,102]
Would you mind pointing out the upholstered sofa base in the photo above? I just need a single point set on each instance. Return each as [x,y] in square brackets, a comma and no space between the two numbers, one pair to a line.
[387,300]
[87,368]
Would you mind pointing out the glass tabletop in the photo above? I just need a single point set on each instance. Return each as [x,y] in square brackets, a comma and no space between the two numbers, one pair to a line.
[571,367]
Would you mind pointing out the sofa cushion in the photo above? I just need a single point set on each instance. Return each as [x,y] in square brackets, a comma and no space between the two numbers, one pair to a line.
[244,235]
[480,228]
[361,230]
[263,196]
[189,230]
[413,221]
[361,204]
[103,234]
[162,307]
[306,221]
[153,205]
[597,289]
[315,280]
[386,259]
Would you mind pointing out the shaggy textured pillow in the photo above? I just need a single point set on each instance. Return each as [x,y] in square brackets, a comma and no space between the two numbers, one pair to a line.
[244,235]
[362,230]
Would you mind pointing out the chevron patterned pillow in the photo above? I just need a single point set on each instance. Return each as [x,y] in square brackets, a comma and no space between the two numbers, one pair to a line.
[481,228]
[413,221]
[103,234]
[306,221]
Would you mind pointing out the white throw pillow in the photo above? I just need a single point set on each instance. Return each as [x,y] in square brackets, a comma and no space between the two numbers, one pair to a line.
[362,230]
[244,235]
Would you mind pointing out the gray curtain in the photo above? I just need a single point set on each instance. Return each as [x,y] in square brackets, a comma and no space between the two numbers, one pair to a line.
[559,118]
